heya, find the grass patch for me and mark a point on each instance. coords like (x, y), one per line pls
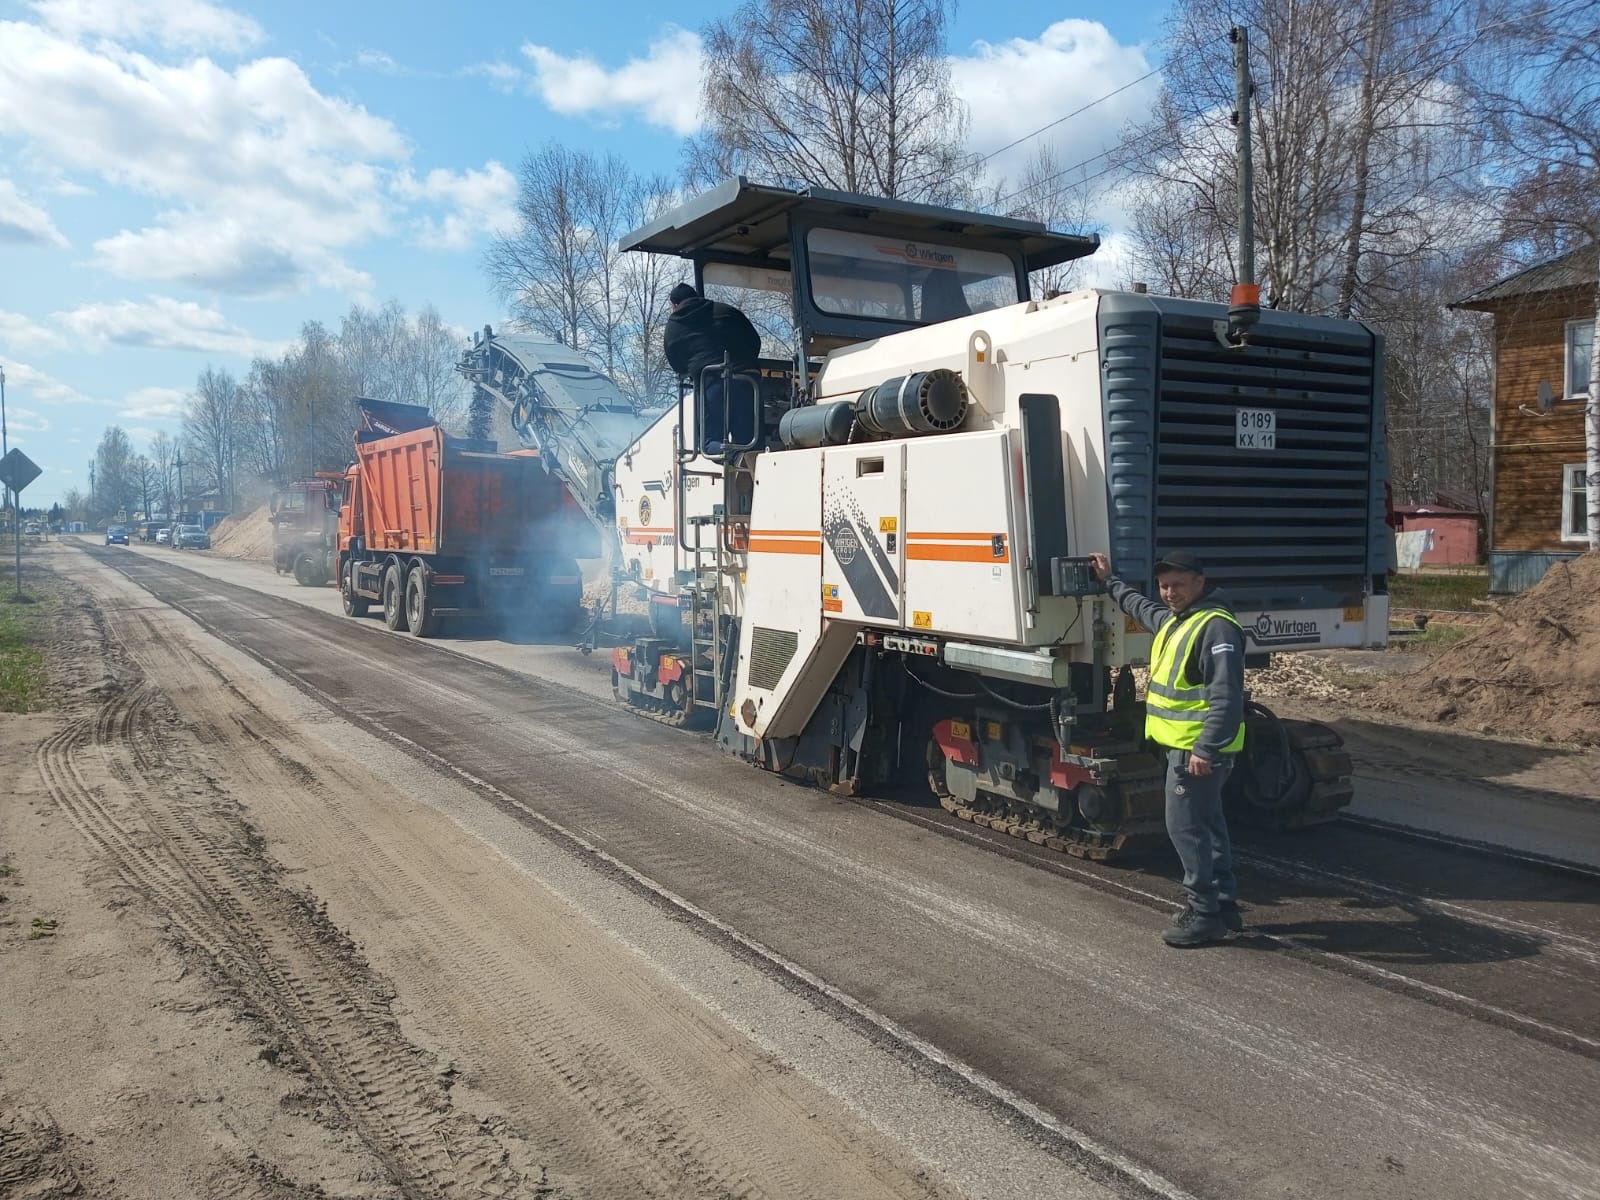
(23, 629)
(1448, 591)
(1437, 637)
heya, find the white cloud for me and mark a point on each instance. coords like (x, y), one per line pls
(480, 201)
(35, 383)
(1012, 88)
(25, 420)
(23, 335)
(153, 404)
(24, 223)
(271, 180)
(159, 323)
(663, 86)
(189, 24)
(502, 76)
(377, 60)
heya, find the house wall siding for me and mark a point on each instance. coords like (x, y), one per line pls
(1530, 450)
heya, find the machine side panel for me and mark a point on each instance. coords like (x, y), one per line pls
(785, 661)
(966, 536)
(863, 543)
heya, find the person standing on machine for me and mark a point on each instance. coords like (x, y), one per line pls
(699, 334)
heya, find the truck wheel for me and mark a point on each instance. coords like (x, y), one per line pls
(420, 616)
(308, 571)
(354, 605)
(394, 599)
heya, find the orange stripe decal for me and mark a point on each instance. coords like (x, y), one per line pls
(935, 552)
(760, 545)
(799, 533)
(950, 537)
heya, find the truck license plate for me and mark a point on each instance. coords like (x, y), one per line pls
(1255, 429)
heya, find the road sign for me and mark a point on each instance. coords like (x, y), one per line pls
(17, 470)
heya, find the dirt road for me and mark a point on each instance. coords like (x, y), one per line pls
(352, 915)
(194, 1023)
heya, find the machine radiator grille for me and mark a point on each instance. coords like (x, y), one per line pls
(770, 652)
(1288, 526)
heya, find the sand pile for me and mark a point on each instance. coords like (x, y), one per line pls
(246, 536)
(1532, 668)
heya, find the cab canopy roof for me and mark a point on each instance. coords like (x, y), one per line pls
(740, 221)
(856, 267)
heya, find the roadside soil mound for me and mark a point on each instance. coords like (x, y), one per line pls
(1533, 667)
(246, 536)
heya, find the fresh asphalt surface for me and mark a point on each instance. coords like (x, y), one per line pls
(1407, 1019)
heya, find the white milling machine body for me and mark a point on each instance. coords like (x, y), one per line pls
(897, 583)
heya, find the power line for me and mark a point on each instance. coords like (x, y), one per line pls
(1074, 113)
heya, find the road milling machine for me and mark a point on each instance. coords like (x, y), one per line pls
(891, 579)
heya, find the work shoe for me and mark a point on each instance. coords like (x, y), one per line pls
(1195, 929)
(1229, 912)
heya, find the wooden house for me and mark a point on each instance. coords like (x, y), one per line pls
(1544, 326)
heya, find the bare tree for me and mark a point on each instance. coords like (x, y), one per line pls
(163, 456)
(211, 430)
(147, 480)
(541, 270)
(1543, 101)
(114, 483)
(1058, 198)
(848, 94)
(1365, 153)
(433, 348)
(643, 281)
(562, 276)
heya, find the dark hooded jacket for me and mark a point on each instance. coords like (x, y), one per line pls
(1217, 660)
(701, 331)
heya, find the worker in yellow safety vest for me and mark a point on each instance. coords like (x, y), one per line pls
(1194, 707)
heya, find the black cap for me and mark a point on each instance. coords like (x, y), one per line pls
(684, 291)
(1181, 560)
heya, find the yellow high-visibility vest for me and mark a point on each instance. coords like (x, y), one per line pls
(1175, 707)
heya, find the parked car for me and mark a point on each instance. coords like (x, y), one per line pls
(163, 536)
(117, 535)
(193, 537)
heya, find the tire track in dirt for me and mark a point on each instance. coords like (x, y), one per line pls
(273, 951)
(634, 1090)
(34, 1158)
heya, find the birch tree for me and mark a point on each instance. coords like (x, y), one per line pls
(846, 94)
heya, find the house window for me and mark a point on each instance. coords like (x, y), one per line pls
(1580, 351)
(1574, 503)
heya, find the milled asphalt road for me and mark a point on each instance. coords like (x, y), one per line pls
(1465, 1063)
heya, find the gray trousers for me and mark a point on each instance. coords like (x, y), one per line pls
(1199, 831)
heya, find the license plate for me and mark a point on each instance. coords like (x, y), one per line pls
(1255, 429)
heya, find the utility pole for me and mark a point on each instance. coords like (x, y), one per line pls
(1244, 306)
(1240, 37)
(5, 442)
(173, 517)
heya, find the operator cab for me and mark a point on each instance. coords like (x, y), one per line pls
(815, 269)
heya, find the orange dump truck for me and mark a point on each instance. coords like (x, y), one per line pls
(435, 526)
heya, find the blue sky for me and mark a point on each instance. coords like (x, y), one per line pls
(183, 183)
